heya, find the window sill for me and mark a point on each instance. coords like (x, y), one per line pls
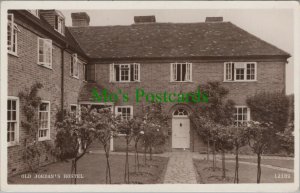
(75, 77)
(126, 82)
(181, 82)
(237, 81)
(43, 65)
(44, 139)
(13, 144)
(13, 54)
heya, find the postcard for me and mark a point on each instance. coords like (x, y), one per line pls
(149, 96)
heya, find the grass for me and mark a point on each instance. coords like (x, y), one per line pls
(92, 167)
(273, 162)
(247, 173)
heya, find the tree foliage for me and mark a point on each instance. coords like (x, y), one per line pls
(74, 136)
(154, 125)
(270, 107)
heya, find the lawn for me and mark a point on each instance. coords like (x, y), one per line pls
(247, 173)
(273, 162)
(92, 168)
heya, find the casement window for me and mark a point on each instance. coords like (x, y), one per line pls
(241, 115)
(34, 12)
(85, 78)
(74, 66)
(73, 108)
(240, 71)
(45, 52)
(126, 112)
(44, 121)
(12, 121)
(124, 72)
(181, 72)
(12, 35)
(59, 24)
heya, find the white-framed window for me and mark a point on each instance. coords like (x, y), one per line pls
(181, 72)
(125, 72)
(12, 35)
(34, 12)
(74, 108)
(12, 120)
(85, 78)
(45, 52)
(126, 112)
(74, 71)
(44, 121)
(241, 115)
(59, 24)
(240, 71)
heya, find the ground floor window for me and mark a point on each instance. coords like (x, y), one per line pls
(126, 112)
(241, 115)
(73, 108)
(44, 121)
(12, 120)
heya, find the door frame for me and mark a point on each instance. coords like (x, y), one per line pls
(183, 114)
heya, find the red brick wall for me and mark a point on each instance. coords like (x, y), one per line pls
(155, 78)
(23, 72)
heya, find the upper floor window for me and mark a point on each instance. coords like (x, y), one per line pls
(241, 115)
(124, 72)
(45, 52)
(239, 71)
(74, 66)
(12, 120)
(44, 121)
(34, 12)
(181, 72)
(12, 35)
(85, 72)
(126, 112)
(59, 24)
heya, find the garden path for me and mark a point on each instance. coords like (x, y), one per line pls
(180, 169)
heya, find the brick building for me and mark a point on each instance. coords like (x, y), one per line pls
(157, 57)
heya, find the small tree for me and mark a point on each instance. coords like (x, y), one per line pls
(258, 136)
(106, 125)
(75, 135)
(154, 123)
(222, 142)
(238, 140)
(214, 118)
(131, 129)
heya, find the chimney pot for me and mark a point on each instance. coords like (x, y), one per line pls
(214, 19)
(144, 19)
(80, 19)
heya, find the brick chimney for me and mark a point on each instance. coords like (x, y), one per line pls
(144, 19)
(214, 19)
(80, 19)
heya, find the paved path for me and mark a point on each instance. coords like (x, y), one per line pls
(180, 169)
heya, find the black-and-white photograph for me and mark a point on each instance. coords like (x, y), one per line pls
(148, 96)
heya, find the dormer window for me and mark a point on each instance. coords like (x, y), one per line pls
(59, 24)
(34, 12)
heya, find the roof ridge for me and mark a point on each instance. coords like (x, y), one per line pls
(154, 23)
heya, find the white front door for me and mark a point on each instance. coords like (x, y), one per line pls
(180, 132)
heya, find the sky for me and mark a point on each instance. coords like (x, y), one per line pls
(274, 26)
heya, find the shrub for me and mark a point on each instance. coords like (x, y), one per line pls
(270, 107)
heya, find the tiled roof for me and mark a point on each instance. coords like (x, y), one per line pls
(41, 22)
(85, 93)
(155, 40)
